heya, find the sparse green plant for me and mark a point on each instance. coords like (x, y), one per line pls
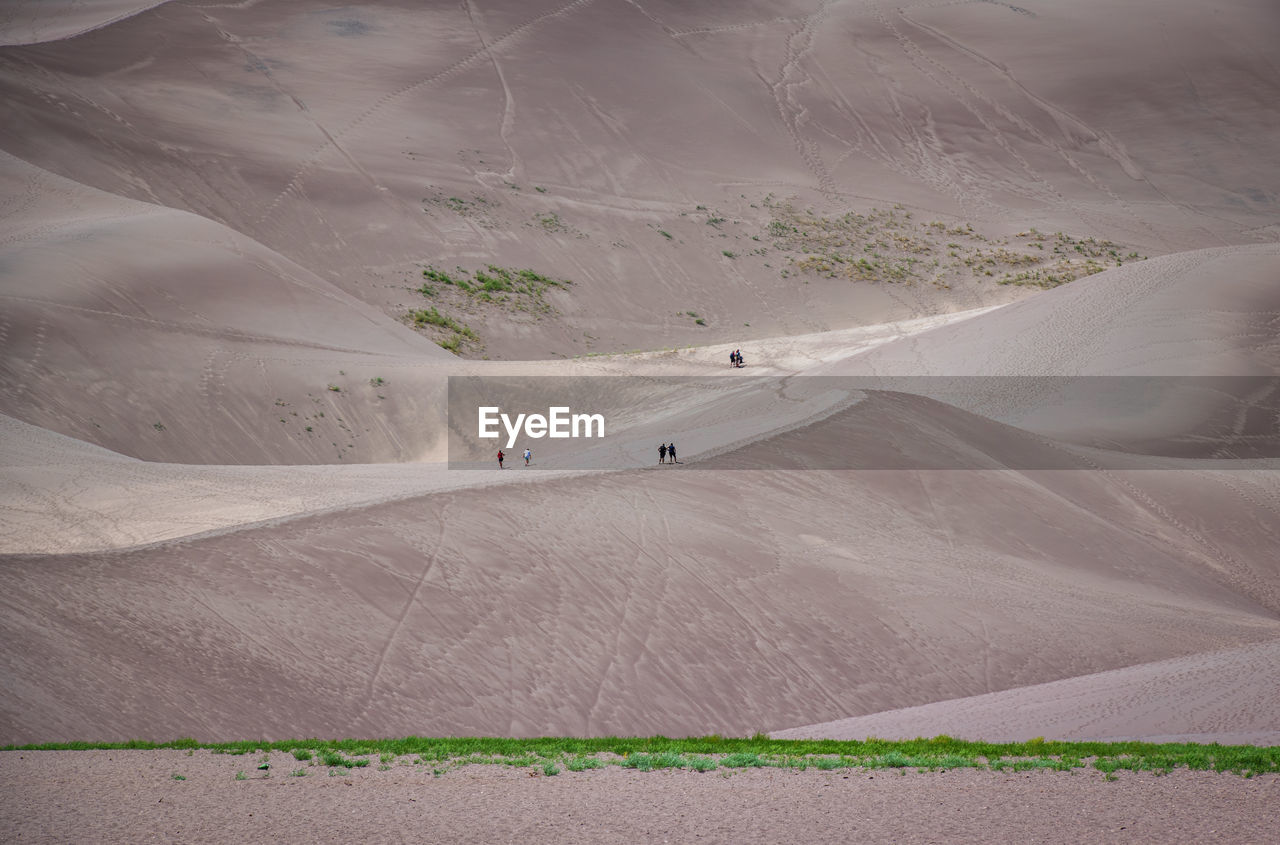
(298, 773)
(650, 762)
(241, 776)
(302, 754)
(177, 776)
(666, 234)
(158, 426)
(551, 222)
(334, 759)
(581, 763)
(728, 254)
(550, 769)
(334, 388)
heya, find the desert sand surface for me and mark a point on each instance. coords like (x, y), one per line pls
(1170, 701)
(133, 796)
(244, 246)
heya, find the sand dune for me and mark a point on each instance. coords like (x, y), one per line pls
(225, 511)
(434, 152)
(1226, 697)
(651, 601)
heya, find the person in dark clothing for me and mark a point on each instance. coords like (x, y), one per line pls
(662, 453)
(671, 452)
(500, 457)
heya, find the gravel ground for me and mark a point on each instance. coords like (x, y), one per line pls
(134, 796)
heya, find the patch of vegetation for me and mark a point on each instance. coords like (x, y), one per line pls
(333, 758)
(551, 222)
(888, 246)
(666, 234)
(302, 754)
(503, 289)
(704, 753)
(476, 208)
(511, 289)
(580, 763)
(456, 333)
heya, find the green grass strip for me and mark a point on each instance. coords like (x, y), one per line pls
(710, 752)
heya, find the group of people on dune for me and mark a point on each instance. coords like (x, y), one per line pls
(666, 452)
(528, 456)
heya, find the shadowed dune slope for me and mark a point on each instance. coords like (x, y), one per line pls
(34, 21)
(1222, 696)
(164, 336)
(664, 600)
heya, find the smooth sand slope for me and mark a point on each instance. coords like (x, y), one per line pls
(224, 513)
(1226, 697)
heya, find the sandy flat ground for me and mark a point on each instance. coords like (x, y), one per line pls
(61, 797)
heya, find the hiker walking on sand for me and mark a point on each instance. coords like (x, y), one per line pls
(662, 453)
(733, 358)
(500, 457)
(528, 453)
(671, 450)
